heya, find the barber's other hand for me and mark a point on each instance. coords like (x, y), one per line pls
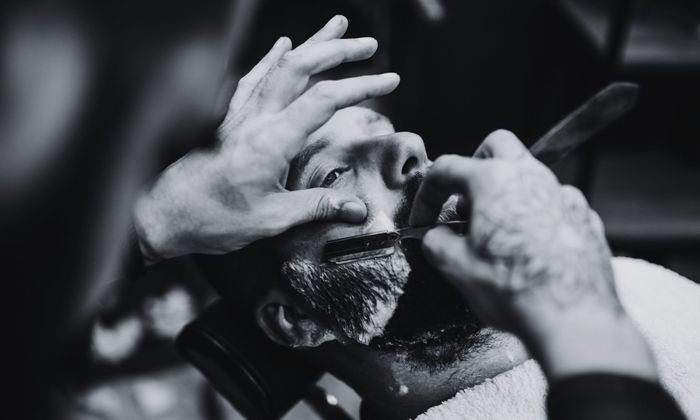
(214, 202)
(535, 263)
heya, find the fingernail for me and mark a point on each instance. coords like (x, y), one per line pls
(353, 211)
(390, 76)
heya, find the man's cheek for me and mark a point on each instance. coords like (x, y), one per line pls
(302, 242)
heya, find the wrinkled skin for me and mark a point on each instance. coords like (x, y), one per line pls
(358, 152)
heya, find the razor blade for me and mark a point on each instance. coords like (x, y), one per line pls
(380, 244)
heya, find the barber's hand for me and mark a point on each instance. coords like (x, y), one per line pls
(535, 263)
(221, 201)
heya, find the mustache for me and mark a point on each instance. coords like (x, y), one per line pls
(402, 213)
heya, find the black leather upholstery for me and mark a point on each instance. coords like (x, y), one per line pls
(259, 378)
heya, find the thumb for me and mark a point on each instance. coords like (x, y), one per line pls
(322, 204)
(454, 257)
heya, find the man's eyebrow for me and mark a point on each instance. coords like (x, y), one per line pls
(298, 164)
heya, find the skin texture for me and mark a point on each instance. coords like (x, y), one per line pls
(417, 359)
(535, 266)
(218, 201)
(535, 263)
(364, 157)
(530, 237)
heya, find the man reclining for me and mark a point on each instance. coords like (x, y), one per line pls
(392, 328)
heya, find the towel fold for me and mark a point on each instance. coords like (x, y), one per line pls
(665, 307)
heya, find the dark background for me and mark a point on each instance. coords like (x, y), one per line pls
(479, 66)
(522, 65)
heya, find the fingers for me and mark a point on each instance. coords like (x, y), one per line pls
(334, 28)
(322, 56)
(452, 255)
(317, 105)
(292, 74)
(501, 144)
(450, 174)
(317, 204)
(282, 75)
(248, 83)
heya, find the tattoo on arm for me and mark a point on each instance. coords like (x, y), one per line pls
(542, 238)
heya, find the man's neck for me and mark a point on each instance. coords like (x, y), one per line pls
(393, 387)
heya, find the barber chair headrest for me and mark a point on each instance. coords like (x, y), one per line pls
(259, 378)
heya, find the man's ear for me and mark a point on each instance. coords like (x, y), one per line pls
(286, 324)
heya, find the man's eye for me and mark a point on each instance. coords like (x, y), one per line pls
(331, 177)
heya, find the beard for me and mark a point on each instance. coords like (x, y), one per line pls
(355, 299)
(396, 304)
(432, 324)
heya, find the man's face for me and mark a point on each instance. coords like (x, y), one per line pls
(395, 303)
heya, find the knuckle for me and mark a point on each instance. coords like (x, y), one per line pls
(284, 125)
(502, 169)
(450, 166)
(574, 197)
(244, 81)
(408, 137)
(596, 222)
(323, 90)
(290, 61)
(325, 207)
(432, 249)
(501, 135)
(501, 143)
(447, 161)
(499, 138)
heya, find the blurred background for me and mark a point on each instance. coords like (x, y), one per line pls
(467, 67)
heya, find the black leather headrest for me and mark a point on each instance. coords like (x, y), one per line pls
(260, 379)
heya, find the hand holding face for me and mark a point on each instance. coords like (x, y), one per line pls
(536, 262)
(221, 201)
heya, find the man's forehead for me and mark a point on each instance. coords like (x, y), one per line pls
(352, 123)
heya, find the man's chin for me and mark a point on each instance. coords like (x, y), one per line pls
(432, 324)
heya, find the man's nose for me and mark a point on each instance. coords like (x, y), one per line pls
(404, 155)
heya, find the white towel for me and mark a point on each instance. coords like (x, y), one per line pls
(665, 307)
